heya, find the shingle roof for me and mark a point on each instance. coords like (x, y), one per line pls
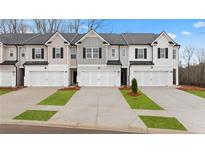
(139, 38)
(8, 62)
(112, 38)
(141, 63)
(36, 63)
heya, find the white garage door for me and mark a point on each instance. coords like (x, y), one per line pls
(38, 78)
(6, 78)
(154, 78)
(100, 78)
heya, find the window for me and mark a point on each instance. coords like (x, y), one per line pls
(123, 52)
(113, 52)
(57, 52)
(73, 53)
(11, 52)
(140, 53)
(92, 52)
(162, 53)
(22, 52)
(174, 54)
(37, 53)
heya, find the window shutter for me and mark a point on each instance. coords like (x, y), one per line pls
(100, 53)
(145, 53)
(166, 50)
(159, 53)
(84, 50)
(42, 53)
(33, 53)
(136, 53)
(54, 55)
(61, 52)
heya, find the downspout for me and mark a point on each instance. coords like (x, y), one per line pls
(17, 57)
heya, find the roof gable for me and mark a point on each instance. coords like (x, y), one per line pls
(166, 35)
(54, 35)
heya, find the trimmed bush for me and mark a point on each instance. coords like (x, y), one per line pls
(134, 86)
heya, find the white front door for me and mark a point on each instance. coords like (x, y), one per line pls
(100, 78)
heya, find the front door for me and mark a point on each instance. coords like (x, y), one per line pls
(174, 76)
(124, 76)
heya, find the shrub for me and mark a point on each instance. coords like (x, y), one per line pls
(134, 86)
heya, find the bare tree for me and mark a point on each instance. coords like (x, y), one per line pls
(95, 24)
(201, 60)
(13, 26)
(74, 26)
(47, 25)
(187, 56)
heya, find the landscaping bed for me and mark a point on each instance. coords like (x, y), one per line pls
(198, 91)
(39, 115)
(61, 97)
(71, 88)
(4, 90)
(140, 101)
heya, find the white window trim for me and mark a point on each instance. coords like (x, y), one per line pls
(56, 53)
(92, 57)
(113, 49)
(38, 53)
(11, 50)
(174, 54)
(73, 52)
(138, 54)
(162, 53)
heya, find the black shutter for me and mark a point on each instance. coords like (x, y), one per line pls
(42, 53)
(33, 53)
(159, 53)
(61, 52)
(136, 53)
(145, 53)
(84, 50)
(100, 53)
(166, 53)
(54, 55)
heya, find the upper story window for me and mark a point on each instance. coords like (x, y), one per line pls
(57, 53)
(73, 54)
(140, 53)
(162, 53)
(113, 52)
(23, 53)
(11, 52)
(92, 52)
(174, 54)
(123, 52)
(38, 53)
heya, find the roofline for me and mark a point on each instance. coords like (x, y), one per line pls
(30, 38)
(60, 35)
(88, 33)
(163, 32)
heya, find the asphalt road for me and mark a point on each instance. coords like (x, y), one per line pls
(27, 129)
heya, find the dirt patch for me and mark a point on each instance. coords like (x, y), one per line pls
(185, 88)
(70, 88)
(12, 88)
(124, 88)
(133, 94)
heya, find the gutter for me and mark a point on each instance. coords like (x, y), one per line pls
(17, 57)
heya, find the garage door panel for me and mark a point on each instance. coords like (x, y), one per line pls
(6, 78)
(38, 78)
(151, 78)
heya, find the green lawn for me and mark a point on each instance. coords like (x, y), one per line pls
(162, 122)
(140, 102)
(39, 115)
(58, 98)
(4, 91)
(198, 93)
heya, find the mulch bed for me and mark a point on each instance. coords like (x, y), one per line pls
(185, 88)
(133, 94)
(12, 88)
(124, 88)
(70, 88)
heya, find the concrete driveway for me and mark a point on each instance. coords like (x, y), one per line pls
(187, 108)
(98, 107)
(16, 102)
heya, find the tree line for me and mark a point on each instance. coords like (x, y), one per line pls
(49, 25)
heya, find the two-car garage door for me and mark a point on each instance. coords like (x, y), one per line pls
(100, 78)
(152, 78)
(46, 78)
